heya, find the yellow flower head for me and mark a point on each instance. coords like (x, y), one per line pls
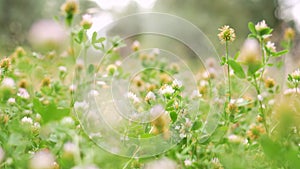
(226, 34)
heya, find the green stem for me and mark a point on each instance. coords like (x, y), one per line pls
(228, 72)
(261, 109)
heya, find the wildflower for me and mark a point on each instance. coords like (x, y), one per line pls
(69, 149)
(81, 105)
(47, 35)
(93, 93)
(150, 96)
(8, 82)
(133, 97)
(70, 7)
(176, 84)
(46, 82)
(11, 101)
(165, 78)
(72, 88)
(26, 120)
(156, 51)
(296, 75)
(289, 34)
(269, 83)
(232, 108)
(250, 52)
(86, 21)
(5, 63)
(79, 64)
(235, 139)
(260, 97)
(261, 26)
(188, 162)
(161, 163)
(174, 67)
(271, 46)
(20, 51)
(67, 121)
(259, 119)
(62, 69)
(111, 69)
(23, 83)
(23, 93)
(196, 94)
(255, 131)
(226, 34)
(42, 160)
(291, 91)
(135, 45)
(166, 90)
(2, 154)
(160, 121)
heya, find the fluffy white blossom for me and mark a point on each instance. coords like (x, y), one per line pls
(177, 83)
(150, 96)
(261, 25)
(42, 160)
(62, 69)
(188, 162)
(166, 89)
(133, 97)
(8, 82)
(23, 93)
(271, 46)
(26, 120)
(11, 101)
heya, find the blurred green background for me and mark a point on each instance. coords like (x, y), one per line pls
(16, 16)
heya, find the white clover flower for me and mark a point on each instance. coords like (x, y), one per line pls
(150, 96)
(177, 83)
(296, 75)
(261, 25)
(2, 154)
(36, 125)
(250, 52)
(42, 160)
(260, 97)
(156, 51)
(166, 89)
(203, 83)
(156, 111)
(182, 135)
(81, 105)
(271, 46)
(72, 88)
(133, 97)
(26, 120)
(62, 69)
(118, 63)
(188, 162)
(94, 93)
(11, 101)
(235, 139)
(69, 148)
(23, 93)
(67, 121)
(8, 82)
(87, 21)
(135, 45)
(163, 163)
(291, 91)
(27, 112)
